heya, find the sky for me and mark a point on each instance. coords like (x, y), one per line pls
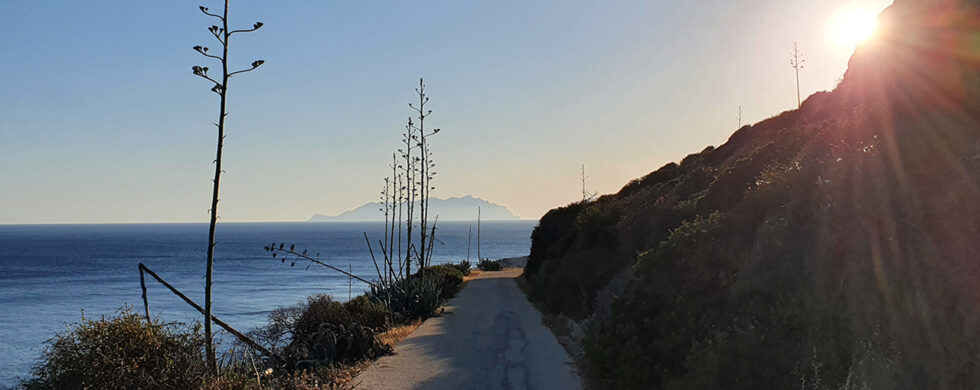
(101, 120)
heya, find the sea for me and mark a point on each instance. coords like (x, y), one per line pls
(53, 275)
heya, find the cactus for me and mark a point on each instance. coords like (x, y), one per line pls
(334, 343)
(412, 298)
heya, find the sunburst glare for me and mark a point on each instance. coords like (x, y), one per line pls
(853, 25)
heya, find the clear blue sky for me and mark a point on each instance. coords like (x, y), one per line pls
(102, 121)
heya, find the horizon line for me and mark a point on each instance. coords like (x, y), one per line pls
(234, 222)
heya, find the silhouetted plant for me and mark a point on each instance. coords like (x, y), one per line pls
(401, 199)
(478, 217)
(405, 191)
(463, 266)
(283, 253)
(394, 205)
(425, 175)
(388, 206)
(411, 189)
(489, 265)
(405, 198)
(586, 195)
(796, 61)
(223, 35)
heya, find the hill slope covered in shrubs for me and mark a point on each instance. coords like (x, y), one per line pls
(834, 246)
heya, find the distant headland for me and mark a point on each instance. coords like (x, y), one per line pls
(451, 209)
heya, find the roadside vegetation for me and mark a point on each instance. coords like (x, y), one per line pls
(323, 342)
(489, 265)
(121, 351)
(318, 343)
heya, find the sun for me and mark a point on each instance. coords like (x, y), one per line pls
(852, 26)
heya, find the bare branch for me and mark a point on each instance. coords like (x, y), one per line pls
(255, 64)
(292, 251)
(204, 51)
(256, 26)
(205, 11)
(216, 31)
(203, 73)
(245, 339)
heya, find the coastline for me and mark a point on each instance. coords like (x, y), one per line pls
(95, 273)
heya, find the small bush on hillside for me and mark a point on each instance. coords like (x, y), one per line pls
(278, 330)
(320, 309)
(370, 314)
(452, 279)
(489, 265)
(325, 332)
(463, 266)
(122, 351)
(333, 343)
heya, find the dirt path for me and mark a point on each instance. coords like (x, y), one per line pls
(489, 338)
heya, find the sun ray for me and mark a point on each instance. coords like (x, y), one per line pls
(853, 26)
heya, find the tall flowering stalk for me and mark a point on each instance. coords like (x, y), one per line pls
(223, 35)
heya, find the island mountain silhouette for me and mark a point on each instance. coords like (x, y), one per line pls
(451, 209)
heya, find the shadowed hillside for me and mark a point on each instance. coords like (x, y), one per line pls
(834, 246)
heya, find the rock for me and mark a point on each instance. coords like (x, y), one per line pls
(575, 330)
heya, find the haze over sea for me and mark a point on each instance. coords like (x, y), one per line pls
(50, 274)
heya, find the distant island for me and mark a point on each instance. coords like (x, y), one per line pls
(452, 209)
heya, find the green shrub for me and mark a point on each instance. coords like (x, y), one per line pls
(333, 343)
(320, 309)
(370, 314)
(123, 351)
(325, 332)
(413, 298)
(489, 265)
(452, 279)
(463, 266)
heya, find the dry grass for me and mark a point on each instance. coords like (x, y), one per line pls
(475, 273)
(471, 276)
(396, 334)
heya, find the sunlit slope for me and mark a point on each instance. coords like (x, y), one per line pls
(834, 246)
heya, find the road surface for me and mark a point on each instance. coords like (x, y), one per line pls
(490, 337)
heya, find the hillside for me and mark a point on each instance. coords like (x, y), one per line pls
(451, 209)
(836, 246)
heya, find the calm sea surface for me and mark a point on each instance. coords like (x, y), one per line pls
(50, 274)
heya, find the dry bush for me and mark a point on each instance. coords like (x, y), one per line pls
(122, 351)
